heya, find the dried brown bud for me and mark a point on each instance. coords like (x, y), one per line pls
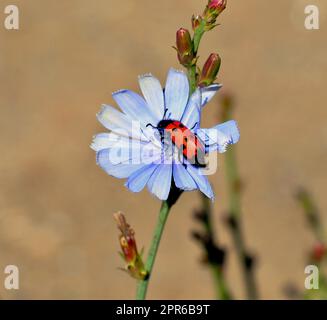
(134, 263)
(196, 22)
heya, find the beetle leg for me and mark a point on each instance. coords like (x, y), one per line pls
(164, 115)
(195, 124)
(150, 124)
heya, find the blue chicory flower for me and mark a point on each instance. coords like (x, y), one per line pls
(134, 150)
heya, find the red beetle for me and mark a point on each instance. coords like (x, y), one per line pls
(188, 143)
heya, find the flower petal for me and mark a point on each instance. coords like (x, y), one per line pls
(201, 181)
(220, 137)
(153, 94)
(124, 153)
(118, 170)
(138, 180)
(192, 114)
(209, 92)
(160, 181)
(134, 106)
(114, 120)
(101, 141)
(176, 94)
(182, 178)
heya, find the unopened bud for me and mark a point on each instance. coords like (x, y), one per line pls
(218, 5)
(184, 48)
(210, 70)
(196, 22)
(134, 264)
(318, 252)
(213, 9)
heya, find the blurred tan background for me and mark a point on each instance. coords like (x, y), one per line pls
(56, 205)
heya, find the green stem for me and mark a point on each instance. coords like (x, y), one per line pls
(191, 71)
(217, 272)
(163, 215)
(221, 288)
(233, 183)
(236, 223)
(306, 201)
(199, 32)
(222, 291)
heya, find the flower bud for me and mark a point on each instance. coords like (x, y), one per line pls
(218, 5)
(210, 70)
(196, 22)
(213, 9)
(318, 252)
(134, 263)
(184, 47)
